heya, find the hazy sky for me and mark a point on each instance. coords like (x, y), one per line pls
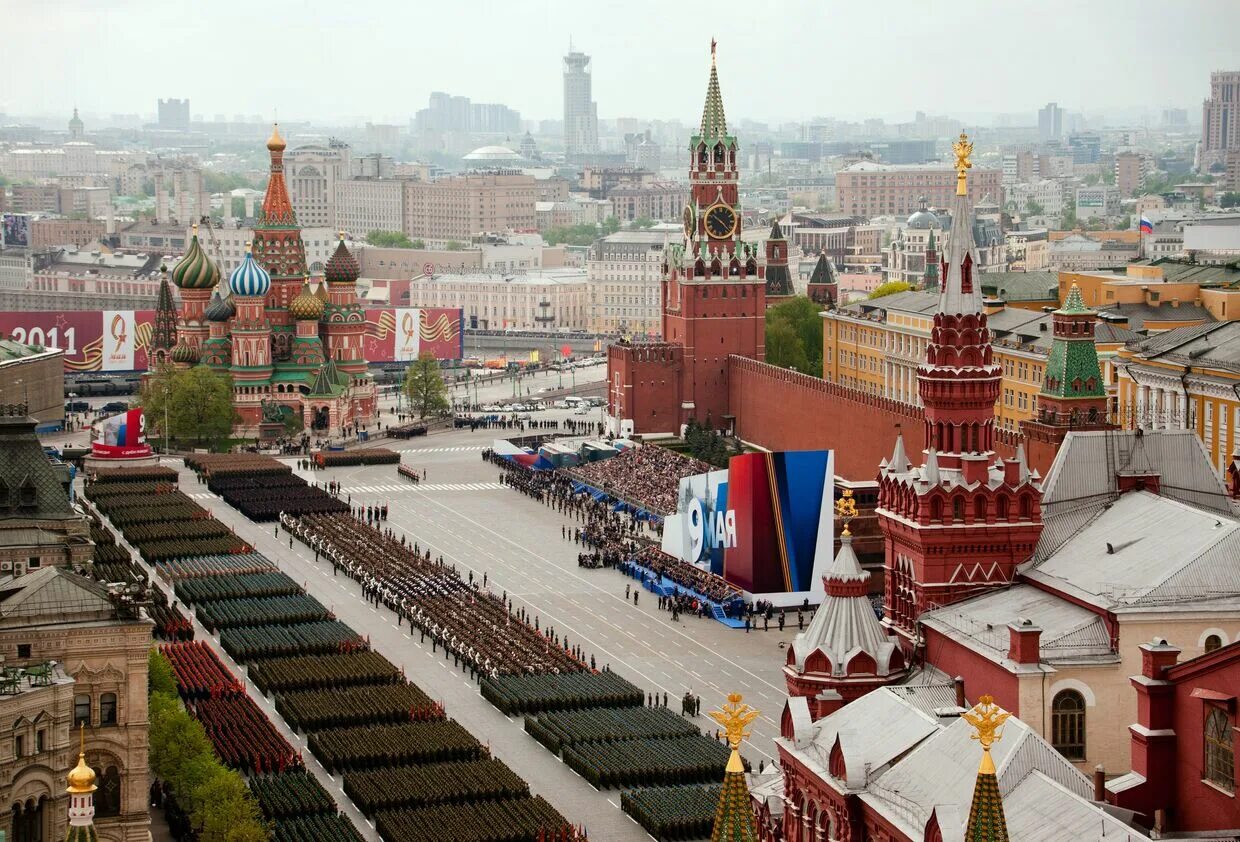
(379, 59)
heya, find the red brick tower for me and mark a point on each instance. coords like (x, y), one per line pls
(714, 292)
(279, 249)
(343, 325)
(960, 523)
(778, 278)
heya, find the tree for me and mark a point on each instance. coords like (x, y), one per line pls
(198, 403)
(1033, 208)
(890, 288)
(794, 330)
(238, 207)
(159, 674)
(424, 386)
(418, 244)
(611, 225)
(642, 222)
(454, 245)
(1125, 222)
(1229, 200)
(389, 239)
(226, 811)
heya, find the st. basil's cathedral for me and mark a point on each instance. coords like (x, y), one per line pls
(289, 349)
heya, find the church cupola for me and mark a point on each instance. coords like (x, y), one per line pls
(81, 793)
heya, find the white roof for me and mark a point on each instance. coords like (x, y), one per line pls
(1068, 630)
(491, 153)
(1144, 550)
(1028, 818)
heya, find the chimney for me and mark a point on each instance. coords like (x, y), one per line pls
(1156, 656)
(1100, 783)
(1024, 639)
(958, 681)
(1011, 472)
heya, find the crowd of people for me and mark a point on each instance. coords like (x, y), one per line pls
(649, 476)
(482, 632)
(710, 585)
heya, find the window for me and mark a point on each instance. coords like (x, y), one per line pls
(23, 650)
(1068, 724)
(81, 710)
(1220, 758)
(19, 745)
(107, 709)
(40, 741)
(1213, 642)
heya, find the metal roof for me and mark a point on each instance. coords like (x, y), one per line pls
(1068, 630)
(1145, 550)
(1028, 818)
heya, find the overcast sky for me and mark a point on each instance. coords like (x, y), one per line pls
(794, 59)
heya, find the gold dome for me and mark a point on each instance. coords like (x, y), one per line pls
(82, 777)
(275, 143)
(306, 307)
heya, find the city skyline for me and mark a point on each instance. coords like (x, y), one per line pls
(967, 65)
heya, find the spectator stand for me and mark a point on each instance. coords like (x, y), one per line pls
(619, 502)
(662, 585)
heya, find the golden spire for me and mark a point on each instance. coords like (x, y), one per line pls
(735, 719)
(986, 718)
(82, 777)
(963, 149)
(846, 509)
(340, 235)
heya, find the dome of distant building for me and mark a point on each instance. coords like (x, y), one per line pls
(923, 218)
(492, 153)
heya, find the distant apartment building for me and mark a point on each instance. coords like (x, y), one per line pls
(1019, 167)
(542, 300)
(226, 246)
(312, 173)
(48, 233)
(169, 240)
(1041, 197)
(599, 181)
(625, 271)
(1220, 116)
(1129, 173)
(1098, 201)
(1028, 251)
(868, 189)
(84, 202)
(580, 109)
(369, 204)
(1083, 251)
(575, 211)
(174, 114)
(1050, 121)
(1232, 172)
(448, 113)
(657, 200)
(89, 280)
(459, 207)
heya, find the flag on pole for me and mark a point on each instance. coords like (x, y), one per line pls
(1147, 227)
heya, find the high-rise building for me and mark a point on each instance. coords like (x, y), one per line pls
(1050, 121)
(1129, 173)
(174, 114)
(1220, 130)
(313, 172)
(580, 111)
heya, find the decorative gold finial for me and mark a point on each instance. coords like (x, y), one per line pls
(963, 149)
(846, 509)
(986, 718)
(194, 228)
(82, 777)
(341, 235)
(713, 44)
(735, 718)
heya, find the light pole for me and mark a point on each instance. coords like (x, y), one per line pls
(166, 436)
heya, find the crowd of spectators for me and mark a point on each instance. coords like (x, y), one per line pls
(649, 476)
(710, 585)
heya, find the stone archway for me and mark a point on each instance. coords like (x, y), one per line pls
(32, 820)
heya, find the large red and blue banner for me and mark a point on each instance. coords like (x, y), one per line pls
(121, 436)
(765, 524)
(119, 340)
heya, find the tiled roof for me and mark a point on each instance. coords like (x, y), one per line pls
(52, 595)
(29, 485)
(1210, 345)
(1021, 286)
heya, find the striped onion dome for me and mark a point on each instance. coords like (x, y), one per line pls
(184, 353)
(195, 270)
(342, 266)
(306, 307)
(249, 278)
(220, 309)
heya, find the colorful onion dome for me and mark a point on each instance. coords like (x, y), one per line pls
(275, 143)
(184, 353)
(249, 278)
(195, 270)
(341, 267)
(305, 307)
(220, 309)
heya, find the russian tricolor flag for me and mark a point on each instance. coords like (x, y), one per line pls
(1147, 227)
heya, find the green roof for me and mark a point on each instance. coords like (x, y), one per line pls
(714, 123)
(1021, 286)
(734, 821)
(1072, 370)
(1074, 305)
(10, 350)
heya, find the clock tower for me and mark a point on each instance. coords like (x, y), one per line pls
(713, 216)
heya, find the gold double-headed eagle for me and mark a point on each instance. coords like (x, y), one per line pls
(986, 718)
(963, 149)
(846, 509)
(735, 718)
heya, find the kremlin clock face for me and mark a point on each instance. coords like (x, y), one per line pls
(720, 222)
(690, 221)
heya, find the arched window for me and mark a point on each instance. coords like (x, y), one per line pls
(108, 800)
(107, 709)
(81, 710)
(1213, 642)
(1068, 724)
(957, 509)
(1220, 761)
